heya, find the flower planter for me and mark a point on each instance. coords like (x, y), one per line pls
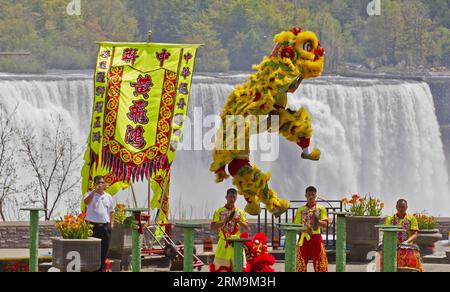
(121, 245)
(427, 240)
(362, 237)
(66, 252)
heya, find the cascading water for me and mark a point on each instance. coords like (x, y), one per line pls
(40, 99)
(377, 136)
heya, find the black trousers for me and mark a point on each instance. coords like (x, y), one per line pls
(103, 232)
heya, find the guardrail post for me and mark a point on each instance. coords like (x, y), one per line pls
(389, 248)
(238, 260)
(341, 241)
(136, 240)
(290, 250)
(188, 256)
(34, 238)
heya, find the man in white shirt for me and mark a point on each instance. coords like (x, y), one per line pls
(100, 213)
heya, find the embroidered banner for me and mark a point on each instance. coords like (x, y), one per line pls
(141, 95)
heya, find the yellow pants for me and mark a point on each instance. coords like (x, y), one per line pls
(224, 258)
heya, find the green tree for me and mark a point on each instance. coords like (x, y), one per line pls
(439, 11)
(441, 47)
(236, 33)
(417, 33)
(18, 35)
(212, 56)
(332, 38)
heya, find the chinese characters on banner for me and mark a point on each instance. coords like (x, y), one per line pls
(141, 97)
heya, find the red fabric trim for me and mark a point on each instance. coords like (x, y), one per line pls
(236, 165)
(312, 207)
(401, 217)
(234, 208)
(212, 269)
(304, 142)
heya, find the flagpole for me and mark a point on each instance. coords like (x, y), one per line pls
(149, 196)
(150, 36)
(134, 195)
(166, 181)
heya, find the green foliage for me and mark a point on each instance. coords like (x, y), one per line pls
(21, 65)
(56, 39)
(236, 33)
(213, 57)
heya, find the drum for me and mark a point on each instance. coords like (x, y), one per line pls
(408, 258)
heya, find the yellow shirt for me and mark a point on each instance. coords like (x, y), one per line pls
(409, 223)
(232, 228)
(305, 216)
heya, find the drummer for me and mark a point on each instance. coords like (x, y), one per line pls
(409, 236)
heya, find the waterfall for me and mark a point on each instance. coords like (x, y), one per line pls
(37, 101)
(377, 137)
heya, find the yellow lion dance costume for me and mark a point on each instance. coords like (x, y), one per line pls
(297, 56)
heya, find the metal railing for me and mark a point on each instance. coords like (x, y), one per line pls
(267, 222)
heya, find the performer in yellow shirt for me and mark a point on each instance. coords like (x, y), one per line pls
(313, 216)
(228, 220)
(408, 253)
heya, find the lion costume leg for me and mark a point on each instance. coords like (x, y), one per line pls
(296, 127)
(253, 184)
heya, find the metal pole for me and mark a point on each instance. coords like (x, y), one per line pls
(136, 241)
(188, 262)
(238, 259)
(290, 250)
(389, 250)
(150, 36)
(341, 238)
(188, 256)
(341, 241)
(34, 239)
(136, 251)
(134, 196)
(150, 196)
(389, 257)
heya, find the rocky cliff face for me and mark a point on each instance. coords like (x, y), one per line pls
(440, 88)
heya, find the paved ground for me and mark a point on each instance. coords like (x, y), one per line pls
(22, 253)
(279, 265)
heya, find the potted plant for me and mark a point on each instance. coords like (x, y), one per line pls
(428, 233)
(362, 236)
(121, 244)
(76, 250)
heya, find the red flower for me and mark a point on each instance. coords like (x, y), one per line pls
(288, 52)
(296, 30)
(319, 52)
